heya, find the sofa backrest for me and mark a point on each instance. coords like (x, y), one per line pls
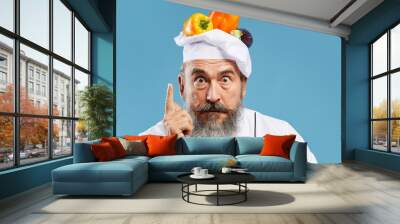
(206, 145)
(249, 145)
(83, 152)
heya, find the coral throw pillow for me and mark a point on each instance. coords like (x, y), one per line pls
(103, 152)
(116, 145)
(275, 145)
(161, 145)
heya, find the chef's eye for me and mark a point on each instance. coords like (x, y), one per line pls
(200, 82)
(225, 80)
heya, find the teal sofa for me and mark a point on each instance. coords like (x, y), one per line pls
(125, 176)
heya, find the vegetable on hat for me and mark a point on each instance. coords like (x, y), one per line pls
(224, 21)
(197, 23)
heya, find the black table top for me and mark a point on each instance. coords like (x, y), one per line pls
(220, 178)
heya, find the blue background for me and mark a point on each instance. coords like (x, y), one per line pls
(296, 73)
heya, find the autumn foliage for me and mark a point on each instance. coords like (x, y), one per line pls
(380, 127)
(33, 131)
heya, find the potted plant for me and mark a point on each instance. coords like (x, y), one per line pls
(97, 103)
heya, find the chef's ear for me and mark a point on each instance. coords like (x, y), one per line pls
(181, 82)
(243, 79)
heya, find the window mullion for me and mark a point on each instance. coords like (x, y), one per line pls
(50, 87)
(73, 82)
(389, 104)
(16, 84)
(371, 137)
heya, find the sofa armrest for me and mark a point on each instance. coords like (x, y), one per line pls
(298, 155)
(83, 152)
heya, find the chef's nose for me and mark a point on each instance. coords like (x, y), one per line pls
(213, 95)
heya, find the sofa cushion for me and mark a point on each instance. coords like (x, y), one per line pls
(206, 145)
(112, 171)
(185, 163)
(249, 145)
(257, 163)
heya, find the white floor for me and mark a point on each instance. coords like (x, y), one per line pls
(377, 189)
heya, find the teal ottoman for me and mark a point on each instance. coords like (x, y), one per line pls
(118, 177)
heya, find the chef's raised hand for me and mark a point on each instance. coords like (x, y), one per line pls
(176, 120)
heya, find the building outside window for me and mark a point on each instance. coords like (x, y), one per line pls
(58, 125)
(385, 91)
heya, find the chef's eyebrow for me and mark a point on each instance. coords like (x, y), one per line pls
(198, 71)
(226, 71)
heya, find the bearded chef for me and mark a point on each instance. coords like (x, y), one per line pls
(212, 82)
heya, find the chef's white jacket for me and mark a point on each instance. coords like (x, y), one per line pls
(251, 123)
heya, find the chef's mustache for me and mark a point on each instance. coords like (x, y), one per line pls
(213, 107)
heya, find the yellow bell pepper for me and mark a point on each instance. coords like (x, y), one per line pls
(197, 23)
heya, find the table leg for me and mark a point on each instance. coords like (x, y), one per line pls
(245, 193)
(196, 188)
(188, 190)
(217, 194)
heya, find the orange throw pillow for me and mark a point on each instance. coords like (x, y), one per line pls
(161, 145)
(275, 145)
(136, 137)
(116, 145)
(103, 151)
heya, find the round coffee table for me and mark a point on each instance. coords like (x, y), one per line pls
(238, 179)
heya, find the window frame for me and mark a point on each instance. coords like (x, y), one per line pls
(388, 74)
(16, 115)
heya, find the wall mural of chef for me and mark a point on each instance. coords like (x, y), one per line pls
(212, 83)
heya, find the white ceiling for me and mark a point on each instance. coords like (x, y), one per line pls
(327, 16)
(320, 9)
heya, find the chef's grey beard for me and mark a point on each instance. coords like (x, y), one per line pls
(210, 127)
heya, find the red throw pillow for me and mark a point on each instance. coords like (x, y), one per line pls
(277, 145)
(103, 151)
(161, 145)
(116, 145)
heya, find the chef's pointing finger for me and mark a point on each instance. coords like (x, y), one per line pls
(169, 101)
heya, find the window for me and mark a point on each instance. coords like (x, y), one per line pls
(45, 119)
(38, 89)
(3, 72)
(81, 45)
(7, 14)
(44, 91)
(3, 61)
(38, 74)
(6, 73)
(30, 87)
(34, 21)
(385, 91)
(30, 72)
(62, 29)
(3, 78)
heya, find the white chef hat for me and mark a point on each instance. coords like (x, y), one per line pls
(215, 44)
